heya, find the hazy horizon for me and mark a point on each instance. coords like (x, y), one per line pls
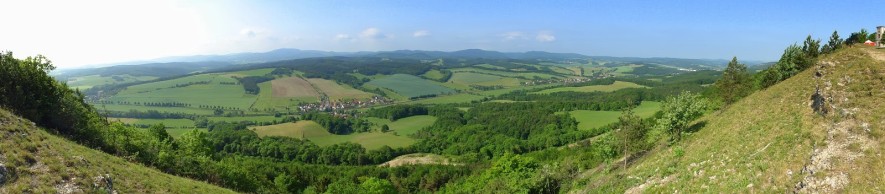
(76, 34)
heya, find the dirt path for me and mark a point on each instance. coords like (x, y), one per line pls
(878, 54)
(827, 171)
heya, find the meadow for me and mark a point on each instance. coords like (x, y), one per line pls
(588, 119)
(203, 89)
(86, 82)
(470, 78)
(432, 74)
(404, 126)
(410, 86)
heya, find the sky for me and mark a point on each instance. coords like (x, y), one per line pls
(87, 32)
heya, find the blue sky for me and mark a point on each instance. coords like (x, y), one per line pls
(90, 32)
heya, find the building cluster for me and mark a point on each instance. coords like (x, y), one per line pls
(326, 105)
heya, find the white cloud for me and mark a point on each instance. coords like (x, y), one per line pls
(421, 33)
(545, 36)
(372, 34)
(341, 37)
(248, 32)
(508, 36)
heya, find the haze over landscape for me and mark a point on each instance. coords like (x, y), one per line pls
(85, 33)
(389, 96)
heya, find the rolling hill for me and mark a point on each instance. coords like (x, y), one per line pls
(34, 161)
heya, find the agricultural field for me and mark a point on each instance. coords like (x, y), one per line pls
(300, 129)
(315, 133)
(86, 82)
(404, 126)
(596, 88)
(588, 119)
(337, 91)
(626, 69)
(292, 87)
(127, 108)
(253, 72)
(203, 89)
(469, 78)
(369, 140)
(410, 86)
(266, 100)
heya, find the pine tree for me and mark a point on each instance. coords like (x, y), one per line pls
(735, 82)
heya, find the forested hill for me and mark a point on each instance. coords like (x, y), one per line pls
(34, 161)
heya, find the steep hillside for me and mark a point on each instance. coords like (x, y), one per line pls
(773, 141)
(33, 161)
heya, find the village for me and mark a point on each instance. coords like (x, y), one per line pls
(327, 105)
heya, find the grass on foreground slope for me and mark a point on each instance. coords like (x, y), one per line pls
(763, 142)
(37, 162)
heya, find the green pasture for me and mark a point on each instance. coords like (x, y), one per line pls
(409, 85)
(588, 119)
(595, 88)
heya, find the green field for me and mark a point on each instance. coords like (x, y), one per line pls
(470, 78)
(315, 133)
(597, 88)
(300, 129)
(86, 82)
(410, 86)
(254, 72)
(405, 126)
(588, 119)
(212, 94)
(126, 108)
(369, 140)
(432, 74)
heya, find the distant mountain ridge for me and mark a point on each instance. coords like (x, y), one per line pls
(290, 53)
(180, 65)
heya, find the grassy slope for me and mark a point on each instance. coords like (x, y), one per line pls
(43, 163)
(762, 143)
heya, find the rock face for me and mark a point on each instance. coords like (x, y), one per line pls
(817, 102)
(3, 174)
